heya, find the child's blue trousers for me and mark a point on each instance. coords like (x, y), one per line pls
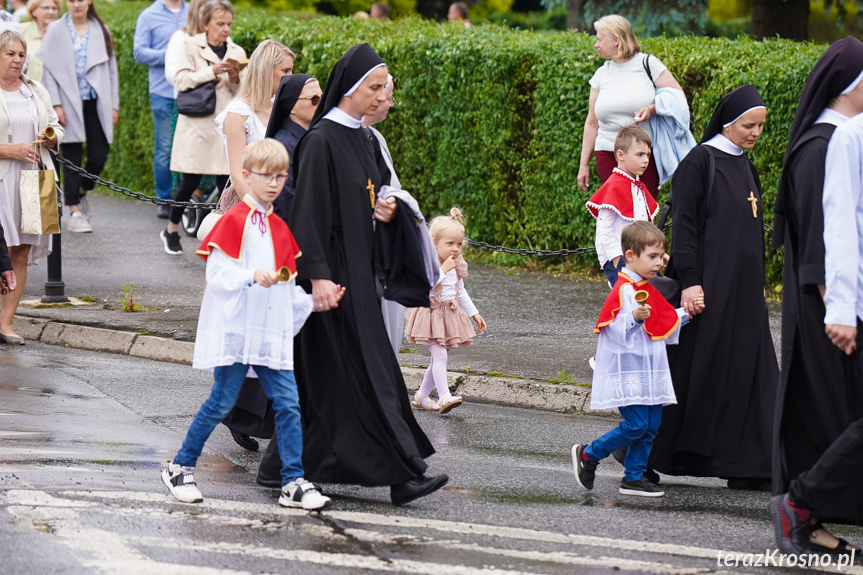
(280, 386)
(637, 431)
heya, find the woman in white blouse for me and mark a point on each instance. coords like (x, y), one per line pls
(621, 93)
(245, 119)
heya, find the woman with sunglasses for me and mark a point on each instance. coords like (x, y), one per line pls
(296, 101)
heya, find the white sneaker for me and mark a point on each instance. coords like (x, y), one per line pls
(84, 206)
(302, 493)
(78, 223)
(180, 481)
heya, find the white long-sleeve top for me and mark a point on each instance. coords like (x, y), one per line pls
(632, 368)
(448, 292)
(843, 224)
(610, 224)
(243, 322)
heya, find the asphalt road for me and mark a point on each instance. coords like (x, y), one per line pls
(82, 437)
(538, 325)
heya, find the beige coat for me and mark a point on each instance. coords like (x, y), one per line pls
(198, 148)
(46, 117)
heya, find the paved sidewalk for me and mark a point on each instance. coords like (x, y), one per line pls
(539, 325)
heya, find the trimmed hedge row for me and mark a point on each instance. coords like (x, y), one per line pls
(491, 118)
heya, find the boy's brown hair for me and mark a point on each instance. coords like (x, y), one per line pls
(266, 155)
(640, 235)
(630, 135)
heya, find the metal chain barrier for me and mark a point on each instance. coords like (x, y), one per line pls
(129, 193)
(481, 245)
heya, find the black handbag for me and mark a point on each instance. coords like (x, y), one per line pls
(198, 102)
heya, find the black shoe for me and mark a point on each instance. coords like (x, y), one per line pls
(750, 484)
(652, 476)
(791, 526)
(641, 487)
(171, 242)
(407, 491)
(163, 211)
(585, 470)
(270, 469)
(619, 454)
(245, 441)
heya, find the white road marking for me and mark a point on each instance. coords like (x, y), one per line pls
(31, 451)
(26, 504)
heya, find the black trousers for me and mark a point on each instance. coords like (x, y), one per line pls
(838, 468)
(186, 188)
(97, 155)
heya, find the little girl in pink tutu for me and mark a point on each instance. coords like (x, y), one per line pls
(444, 325)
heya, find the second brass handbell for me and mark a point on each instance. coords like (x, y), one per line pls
(284, 275)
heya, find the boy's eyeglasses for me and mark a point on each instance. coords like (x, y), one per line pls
(315, 100)
(279, 178)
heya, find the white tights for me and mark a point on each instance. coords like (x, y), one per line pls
(435, 375)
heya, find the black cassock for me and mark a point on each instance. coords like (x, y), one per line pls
(358, 426)
(724, 370)
(816, 397)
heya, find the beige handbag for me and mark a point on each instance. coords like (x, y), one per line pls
(40, 207)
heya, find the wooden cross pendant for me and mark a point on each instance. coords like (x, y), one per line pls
(371, 189)
(754, 201)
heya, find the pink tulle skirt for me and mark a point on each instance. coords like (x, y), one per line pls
(444, 324)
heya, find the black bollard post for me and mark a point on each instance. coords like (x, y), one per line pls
(55, 289)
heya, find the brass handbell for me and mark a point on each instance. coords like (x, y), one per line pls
(641, 297)
(284, 275)
(49, 133)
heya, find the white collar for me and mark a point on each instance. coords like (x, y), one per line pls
(624, 174)
(632, 275)
(339, 116)
(258, 206)
(831, 116)
(723, 144)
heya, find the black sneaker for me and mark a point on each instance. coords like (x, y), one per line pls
(791, 526)
(641, 487)
(585, 470)
(172, 243)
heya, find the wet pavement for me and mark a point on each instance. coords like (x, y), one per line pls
(538, 324)
(83, 435)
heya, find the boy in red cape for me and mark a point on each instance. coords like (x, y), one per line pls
(251, 311)
(632, 374)
(622, 199)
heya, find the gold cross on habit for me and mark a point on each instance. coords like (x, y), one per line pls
(371, 189)
(754, 201)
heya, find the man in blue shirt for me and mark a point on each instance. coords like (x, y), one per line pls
(154, 29)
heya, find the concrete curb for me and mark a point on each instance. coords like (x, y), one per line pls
(477, 387)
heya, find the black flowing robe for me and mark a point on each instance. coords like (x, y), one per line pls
(724, 370)
(358, 426)
(817, 398)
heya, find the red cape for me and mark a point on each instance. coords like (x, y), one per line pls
(229, 235)
(616, 194)
(663, 320)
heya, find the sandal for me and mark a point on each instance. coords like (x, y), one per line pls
(842, 548)
(11, 339)
(424, 403)
(449, 402)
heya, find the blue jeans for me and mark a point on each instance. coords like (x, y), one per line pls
(163, 109)
(611, 271)
(637, 430)
(280, 386)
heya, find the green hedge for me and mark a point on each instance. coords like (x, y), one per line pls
(491, 118)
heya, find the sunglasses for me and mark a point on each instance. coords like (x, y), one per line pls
(315, 100)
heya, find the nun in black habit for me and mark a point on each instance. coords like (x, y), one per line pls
(817, 398)
(358, 426)
(724, 371)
